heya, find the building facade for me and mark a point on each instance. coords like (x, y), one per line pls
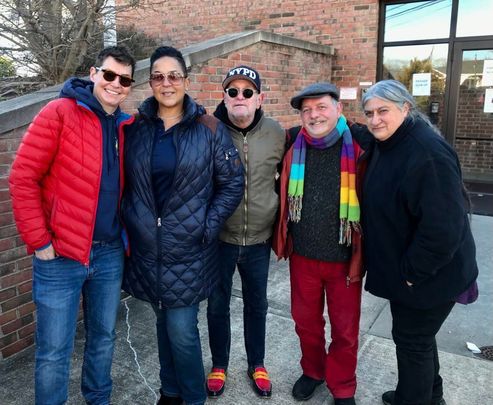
(441, 49)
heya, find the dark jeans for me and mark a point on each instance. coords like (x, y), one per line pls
(413, 331)
(180, 354)
(253, 266)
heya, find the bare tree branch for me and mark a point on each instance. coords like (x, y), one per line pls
(55, 37)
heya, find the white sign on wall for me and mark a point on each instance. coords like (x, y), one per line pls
(421, 84)
(488, 101)
(348, 93)
(487, 73)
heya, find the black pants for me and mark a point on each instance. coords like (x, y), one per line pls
(413, 331)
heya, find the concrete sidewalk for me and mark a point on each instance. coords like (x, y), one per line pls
(467, 378)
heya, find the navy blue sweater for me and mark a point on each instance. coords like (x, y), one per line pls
(163, 163)
(107, 226)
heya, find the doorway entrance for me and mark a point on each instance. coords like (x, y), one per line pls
(470, 118)
(470, 106)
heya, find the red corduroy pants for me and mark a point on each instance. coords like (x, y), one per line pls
(313, 282)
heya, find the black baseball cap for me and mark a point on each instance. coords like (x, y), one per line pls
(244, 73)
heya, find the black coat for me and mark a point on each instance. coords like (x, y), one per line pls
(415, 219)
(172, 260)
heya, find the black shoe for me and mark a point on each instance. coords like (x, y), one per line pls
(344, 401)
(304, 388)
(388, 399)
(165, 400)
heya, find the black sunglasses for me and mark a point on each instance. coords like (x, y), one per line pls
(109, 76)
(247, 93)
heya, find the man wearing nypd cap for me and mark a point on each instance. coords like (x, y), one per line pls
(245, 241)
(318, 230)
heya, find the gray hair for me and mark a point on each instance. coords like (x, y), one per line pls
(396, 93)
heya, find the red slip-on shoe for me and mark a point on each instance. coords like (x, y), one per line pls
(216, 380)
(260, 381)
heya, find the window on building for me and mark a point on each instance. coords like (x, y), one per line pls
(415, 50)
(427, 63)
(432, 18)
(442, 50)
(474, 18)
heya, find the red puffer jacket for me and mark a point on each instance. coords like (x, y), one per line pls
(55, 178)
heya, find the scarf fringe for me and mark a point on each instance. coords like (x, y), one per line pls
(294, 206)
(346, 229)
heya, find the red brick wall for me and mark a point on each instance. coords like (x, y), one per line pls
(350, 26)
(16, 307)
(283, 72)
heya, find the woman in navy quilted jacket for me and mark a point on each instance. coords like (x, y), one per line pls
(183, 178)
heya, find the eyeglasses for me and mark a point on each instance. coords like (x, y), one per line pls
(109, 76)
(233, 92)
(174, 78)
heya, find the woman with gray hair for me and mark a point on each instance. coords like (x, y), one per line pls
(419, 252)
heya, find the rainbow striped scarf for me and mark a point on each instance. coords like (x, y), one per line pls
(349, 212)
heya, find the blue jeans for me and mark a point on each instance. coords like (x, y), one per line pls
(180, 353)
(253, 266)
(57, 286)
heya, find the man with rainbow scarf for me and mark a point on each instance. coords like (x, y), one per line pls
(318, 230)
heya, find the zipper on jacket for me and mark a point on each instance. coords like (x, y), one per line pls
(158, 261)
(245, 198)
(159, 220)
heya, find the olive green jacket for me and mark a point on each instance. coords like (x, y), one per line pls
(261, 150)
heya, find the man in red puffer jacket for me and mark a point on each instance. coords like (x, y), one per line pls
(65, 184)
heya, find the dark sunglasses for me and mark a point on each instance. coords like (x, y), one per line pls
(247, 93)
(174, 78)
(109, 76)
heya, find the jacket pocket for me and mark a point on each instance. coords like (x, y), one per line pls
(232, 158)
(53, 216)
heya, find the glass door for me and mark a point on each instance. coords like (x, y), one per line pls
(470, 109)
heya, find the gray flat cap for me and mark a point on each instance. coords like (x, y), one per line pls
(315, 90)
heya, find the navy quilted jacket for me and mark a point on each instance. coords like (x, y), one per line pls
(173, 253)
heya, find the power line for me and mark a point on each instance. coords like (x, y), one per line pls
(414, 8)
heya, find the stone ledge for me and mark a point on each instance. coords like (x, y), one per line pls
(213, 48)
(20, 111)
